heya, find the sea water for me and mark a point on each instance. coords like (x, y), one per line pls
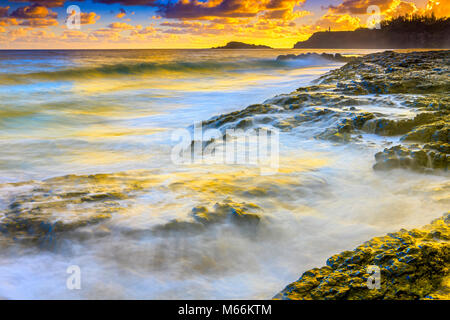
(92, 122)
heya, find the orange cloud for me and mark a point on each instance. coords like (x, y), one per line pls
(33, 16)
(202, 23)
(346, 16)
(28, 35)
(400, 8)
(121, 14)
(441, 8)
(89, 18)
(18, 33)
(123, 26)
(388, 8)
(146, 30)
(106, 34)
(128, 2)
(34, 12)
(75, 35)
(45, 3)
(360, 6)
(182, 24)
(194, 9)
(38, 23)
(8, 22)
(42, 35)
(285, 14)
(144, 34)
(338, 22)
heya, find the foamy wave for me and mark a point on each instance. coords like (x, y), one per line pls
(151, 68)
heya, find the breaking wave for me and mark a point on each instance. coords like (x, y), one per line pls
(152, 68)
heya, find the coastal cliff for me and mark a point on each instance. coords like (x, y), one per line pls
(400, 33)
(375, 39)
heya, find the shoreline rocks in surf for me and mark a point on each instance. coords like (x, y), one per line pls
(327, 56)
(42, 212)
(413, 264)
(339, 101)
(343, 102)
(246, 216)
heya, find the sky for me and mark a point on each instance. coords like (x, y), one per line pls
(123, 24)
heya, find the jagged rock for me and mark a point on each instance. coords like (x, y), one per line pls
(239, 213)
(333, 100)
(252, 110)
(390, 127)
(366, 75)
(413, 264)
(43, 212)
(416, 157)
(336, 57)
(437, 131)
(244, 215)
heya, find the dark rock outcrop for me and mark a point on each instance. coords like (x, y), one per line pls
(337, 57)
(242, 45)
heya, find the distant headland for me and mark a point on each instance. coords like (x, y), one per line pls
(402, 32)
(242, 45)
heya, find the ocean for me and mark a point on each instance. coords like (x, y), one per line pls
(86, 140)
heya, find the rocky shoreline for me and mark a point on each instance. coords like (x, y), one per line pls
(342, 100)
(338, 104)
(340, 107)
(413, 264)
(337, 57)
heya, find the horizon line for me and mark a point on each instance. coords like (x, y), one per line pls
(253, 49)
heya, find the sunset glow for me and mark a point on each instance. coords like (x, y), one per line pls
(41, 24)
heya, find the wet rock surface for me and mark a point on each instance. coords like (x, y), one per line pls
(392, 72)
(328, 56)
(41, 212)
(413, 264)
(402, 97)
(243, 215)
(420, 158)
(389, 94)
(45, 213)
